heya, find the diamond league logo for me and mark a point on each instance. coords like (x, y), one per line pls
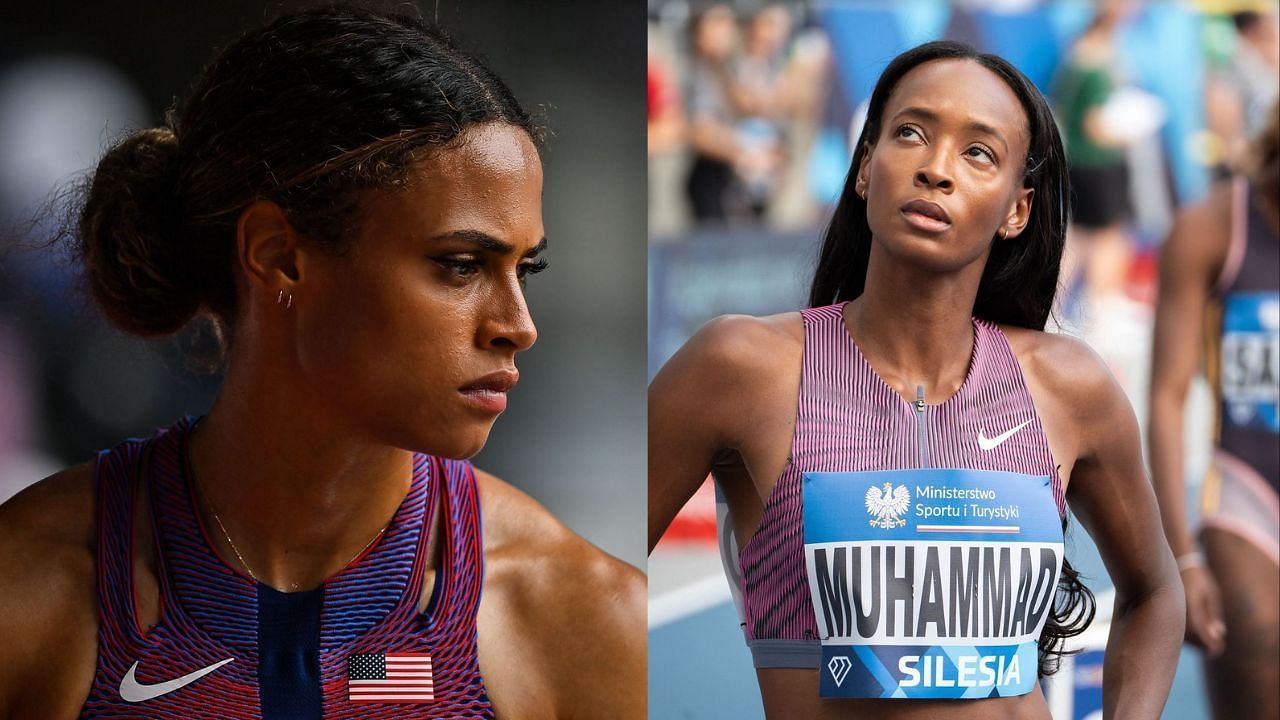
(839, 667)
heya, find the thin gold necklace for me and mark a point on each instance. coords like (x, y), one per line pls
(200, 499)
(245, 565)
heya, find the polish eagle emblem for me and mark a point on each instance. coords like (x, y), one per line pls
(887, 505)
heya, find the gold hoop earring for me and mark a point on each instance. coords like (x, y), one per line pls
(280, 298)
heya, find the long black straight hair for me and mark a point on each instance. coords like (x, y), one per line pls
(1021, 276)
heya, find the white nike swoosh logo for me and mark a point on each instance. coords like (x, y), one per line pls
(990, 443)
(133, 691)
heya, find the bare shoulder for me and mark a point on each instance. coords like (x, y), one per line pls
(1072, 386)
(47, 533)
(768, 328)
(562, 607)
(746, 343)
(1061, 363)
(733, 371)
(740, 337)
(527, 546)
(48, 609)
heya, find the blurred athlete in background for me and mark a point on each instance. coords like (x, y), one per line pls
(1220, 300)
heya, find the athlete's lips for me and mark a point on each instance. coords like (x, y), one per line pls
(489, 393)
(501, 381)
(925, 215)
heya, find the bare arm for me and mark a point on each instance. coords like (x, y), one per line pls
(1110, 495)
(607, 626)
(713, 394)
(562, 624)
(1190, 262)
(682, 436)
(48, 613)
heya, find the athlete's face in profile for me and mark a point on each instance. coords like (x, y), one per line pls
(945, 174)
(420, 321)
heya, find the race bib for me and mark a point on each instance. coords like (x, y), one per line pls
(930, 583)
(1251, 361)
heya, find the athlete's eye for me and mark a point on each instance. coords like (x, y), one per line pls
(981, 153)
(460, 266)
(532, 267)
(906, 131)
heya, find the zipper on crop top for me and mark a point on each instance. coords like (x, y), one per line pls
(922, 429)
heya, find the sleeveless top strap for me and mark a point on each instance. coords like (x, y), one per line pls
(114, 484)
(1238, 240)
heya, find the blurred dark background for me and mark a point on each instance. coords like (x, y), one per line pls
(74, 76)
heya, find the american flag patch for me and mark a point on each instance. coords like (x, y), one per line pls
(394, 677)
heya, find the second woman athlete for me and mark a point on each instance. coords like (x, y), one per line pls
(897, 465)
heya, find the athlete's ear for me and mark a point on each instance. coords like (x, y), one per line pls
(267, 248)
(862, 182)
(1019, 214)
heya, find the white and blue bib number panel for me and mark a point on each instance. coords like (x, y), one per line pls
(1251, 361)
(930, 583)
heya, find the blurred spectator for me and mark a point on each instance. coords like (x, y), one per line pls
(754, 92)
(1238, 92)
(759, 95)
(759, 72)
(804, 90)
(718, 150)
(1099, 119)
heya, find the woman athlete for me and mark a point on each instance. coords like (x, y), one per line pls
(358, 203)
(895, 465)
(1220, 295)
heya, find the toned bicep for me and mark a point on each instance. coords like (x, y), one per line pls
(607, 676)
(47, 619)
(48, 600)
(723, 390)
(684, 432)
(1110, 493)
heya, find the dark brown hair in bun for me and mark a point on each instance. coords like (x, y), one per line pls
(305, 112)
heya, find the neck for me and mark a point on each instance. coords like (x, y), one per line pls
(914, 326)
(298, 493)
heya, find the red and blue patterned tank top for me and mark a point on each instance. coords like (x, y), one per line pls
(226, 646)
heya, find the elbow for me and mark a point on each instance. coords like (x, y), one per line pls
(1162, 598)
